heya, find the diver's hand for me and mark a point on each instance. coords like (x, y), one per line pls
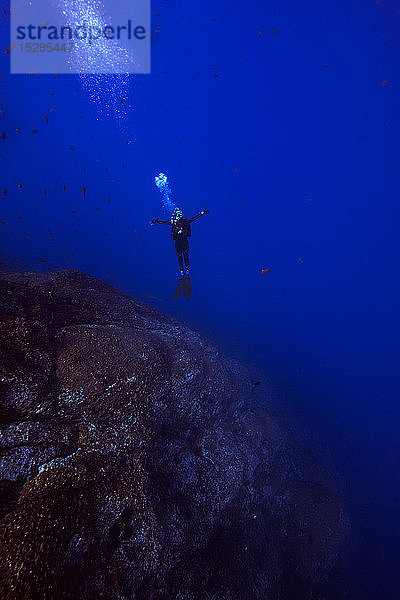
(154, 221)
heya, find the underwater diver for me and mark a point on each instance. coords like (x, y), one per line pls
(180, 231)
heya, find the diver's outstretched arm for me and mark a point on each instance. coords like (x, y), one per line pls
(203, 212)
(154, 221)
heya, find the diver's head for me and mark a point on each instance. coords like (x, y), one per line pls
(177, 215)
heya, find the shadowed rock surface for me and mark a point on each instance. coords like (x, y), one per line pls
(137, 462)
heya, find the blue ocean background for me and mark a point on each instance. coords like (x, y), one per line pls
(283, 119)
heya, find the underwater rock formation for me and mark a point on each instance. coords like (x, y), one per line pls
(137, 462)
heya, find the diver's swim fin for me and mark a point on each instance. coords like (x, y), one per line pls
(187, 287)
(179, 288)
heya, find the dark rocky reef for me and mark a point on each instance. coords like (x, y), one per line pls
(137, 462)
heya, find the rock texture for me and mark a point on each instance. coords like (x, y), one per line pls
(138, 464)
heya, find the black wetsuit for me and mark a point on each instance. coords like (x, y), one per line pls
(179, 233)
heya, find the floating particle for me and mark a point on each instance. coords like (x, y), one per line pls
(265, 271)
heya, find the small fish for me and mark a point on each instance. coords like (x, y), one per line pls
(42, 260)
(216, 75)
(64, 259)
(74, 211)
(275, 31)
(301, 260)
(5, 192)
(3, 136)
(19, 186)
(326, 65)
(17, 129)
(9, 49)
(46, 118)
(83, 191)
(261, 33)
(34, 131)
(64, 188)
(72, 148)
(235, 169)
(384, 82)
(108, 199)
(265, 271)
(26, 233)
(309, 199)
(45, 192)
(3, 223)
(257, 383)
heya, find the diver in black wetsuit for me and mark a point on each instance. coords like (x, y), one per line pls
(180, 232)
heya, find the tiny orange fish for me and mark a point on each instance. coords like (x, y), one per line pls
(265, 271)
(19, 186)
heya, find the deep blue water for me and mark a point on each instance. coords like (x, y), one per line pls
(292, 141)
